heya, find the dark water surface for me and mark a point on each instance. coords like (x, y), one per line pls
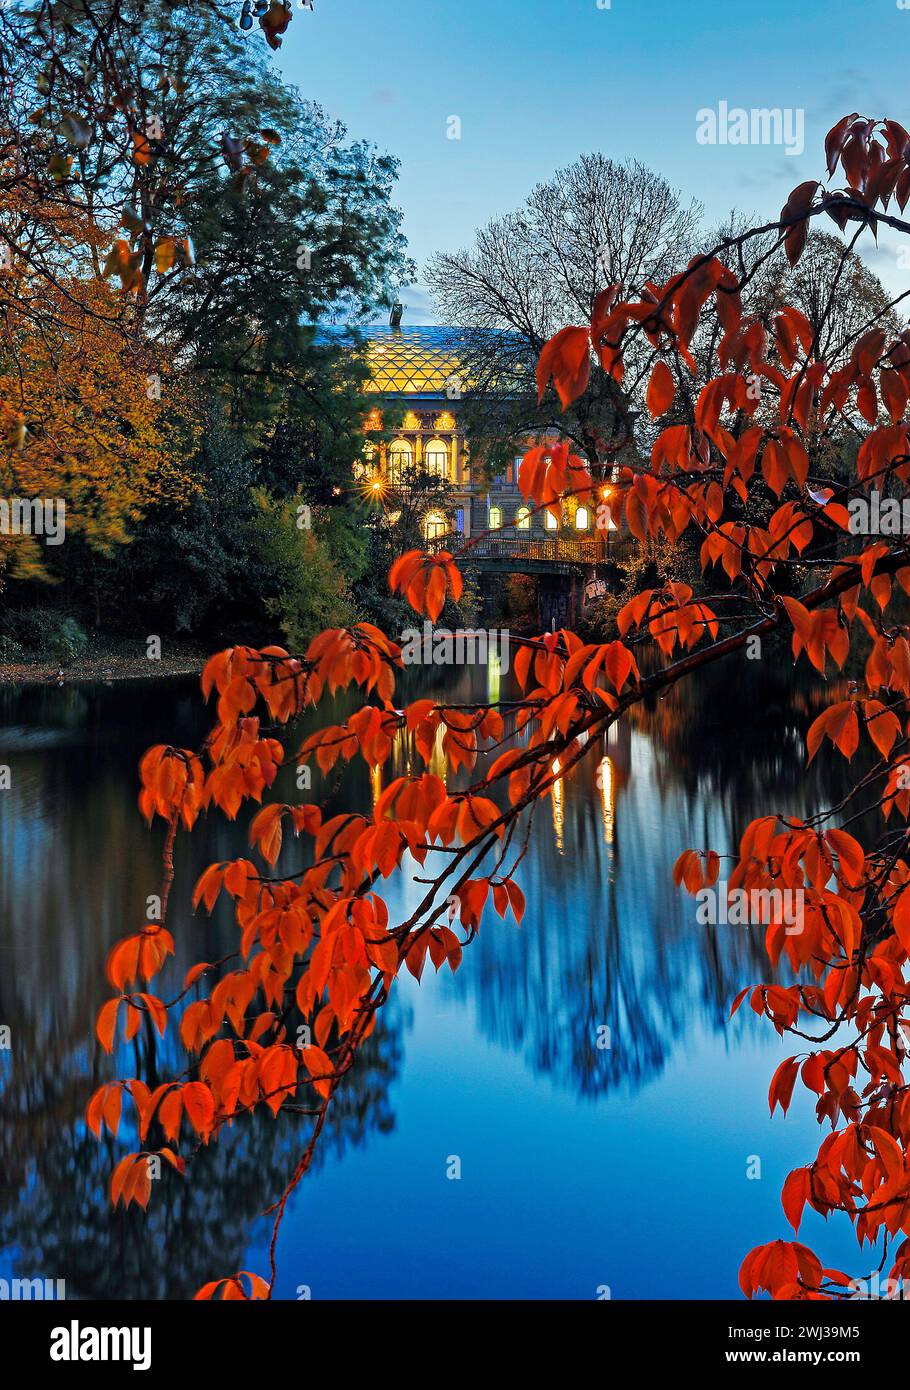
(581, 1167)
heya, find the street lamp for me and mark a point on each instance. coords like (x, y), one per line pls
(606, 493)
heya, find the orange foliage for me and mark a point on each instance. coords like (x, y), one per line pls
(82, 415)
(321, 936)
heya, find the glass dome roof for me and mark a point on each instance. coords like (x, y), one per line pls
(418, 361)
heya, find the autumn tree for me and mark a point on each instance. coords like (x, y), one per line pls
(81, 425)
(282, 1023)
(223, 216)
(234, 211)
(279, 1024)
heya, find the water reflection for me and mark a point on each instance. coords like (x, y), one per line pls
(76, 866)
(606, 943)
(607, 940)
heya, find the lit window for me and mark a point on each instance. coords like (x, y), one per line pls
(436, 458)
(495, 518)
(523, 519)
(552, 523)
(434, 526)
(401, 456)
(582, 519)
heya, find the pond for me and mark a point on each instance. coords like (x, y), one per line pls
(583, 1168)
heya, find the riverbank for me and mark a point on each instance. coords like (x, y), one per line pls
(108, 659)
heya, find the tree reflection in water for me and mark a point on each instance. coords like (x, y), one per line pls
(606, 941)
(76, 864)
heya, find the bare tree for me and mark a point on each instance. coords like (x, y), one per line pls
(599, 223)
(832, 285)
(594, 224)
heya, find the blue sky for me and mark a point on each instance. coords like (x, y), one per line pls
(538, 82)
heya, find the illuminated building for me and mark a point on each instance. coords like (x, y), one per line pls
(417, 377)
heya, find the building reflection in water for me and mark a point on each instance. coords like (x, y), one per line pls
(605, 938)
(606, 784)
(559, 814)
(494, 674)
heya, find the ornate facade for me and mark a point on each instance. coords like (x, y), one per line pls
(417, 370)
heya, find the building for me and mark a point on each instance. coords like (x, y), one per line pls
(417, 370)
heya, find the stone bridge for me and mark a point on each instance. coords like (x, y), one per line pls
(570, 571)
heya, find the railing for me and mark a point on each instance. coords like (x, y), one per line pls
(545, 549)
(554, 549)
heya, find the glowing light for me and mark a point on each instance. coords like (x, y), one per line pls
(559, 813)
(607, 784)
(372, 489)
(438, 763)
(494, 676)
(434, 526)
(376, 783)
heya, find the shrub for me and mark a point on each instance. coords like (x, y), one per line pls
(41, 633)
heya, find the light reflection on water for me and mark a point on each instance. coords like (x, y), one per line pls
(581, 1166)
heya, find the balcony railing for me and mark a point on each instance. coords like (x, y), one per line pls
(547, 549)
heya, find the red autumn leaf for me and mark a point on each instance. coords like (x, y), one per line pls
(661, 390)
(566, 358)
(793, 1197)
(782, 1083)
(320, 1068)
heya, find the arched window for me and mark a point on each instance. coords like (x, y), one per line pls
(523, 518)
(401, 457)
(436, 458)
(434, 526)
(551, 523)
(495, 518)
(582, 519)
